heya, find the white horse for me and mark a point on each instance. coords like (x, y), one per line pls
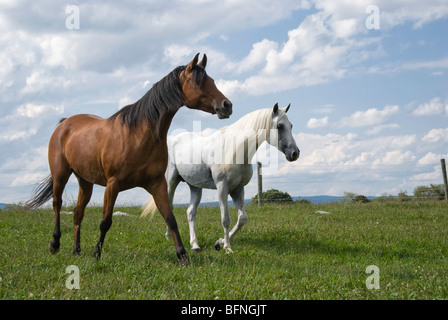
(222, 161)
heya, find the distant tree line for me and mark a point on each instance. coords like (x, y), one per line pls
(432, 192)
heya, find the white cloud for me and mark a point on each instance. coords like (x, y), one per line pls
(32, 110)
(57, 51)
(433, 107)
(396, 157)
(314, 123)
(30, 167)
(26, 120)
(393, 13)
(325, 109)
(16, 134)
(327, 43)
(431, 158)
(378, 129)
(436, 135)
(327, 159)
(40, 80)
(125, 101)
(178, 55)
(334, 163)
(370, 117)
(258, 55)
(229, 87)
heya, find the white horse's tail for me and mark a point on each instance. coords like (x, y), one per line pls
(149, 209)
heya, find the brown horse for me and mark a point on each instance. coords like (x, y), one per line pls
(127, 150)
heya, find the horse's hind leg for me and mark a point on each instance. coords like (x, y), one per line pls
(238, 200)
(85, 192)
(59, 181)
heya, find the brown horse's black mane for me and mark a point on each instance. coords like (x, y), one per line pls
(165, 95)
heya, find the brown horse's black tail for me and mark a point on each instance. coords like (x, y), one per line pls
(42, 194)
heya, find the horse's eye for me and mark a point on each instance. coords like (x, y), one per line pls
(280, 126)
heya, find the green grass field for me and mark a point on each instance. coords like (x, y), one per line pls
(284, 252)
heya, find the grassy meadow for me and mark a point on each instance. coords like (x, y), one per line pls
(283, 252)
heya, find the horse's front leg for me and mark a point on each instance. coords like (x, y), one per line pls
(225, 218)
(195, 199)
(159, 193)
(110, 195)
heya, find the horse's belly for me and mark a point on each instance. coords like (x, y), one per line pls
(238, 175)
(197, 175)
(90, 172)
(208, 184)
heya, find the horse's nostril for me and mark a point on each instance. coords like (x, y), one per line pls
(295, 154)
(227, 104)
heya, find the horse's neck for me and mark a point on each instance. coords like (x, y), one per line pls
(157, 132)
(243, 143)
(165, 122)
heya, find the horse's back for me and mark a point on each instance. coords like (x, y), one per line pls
(73, 123)
(77, 129)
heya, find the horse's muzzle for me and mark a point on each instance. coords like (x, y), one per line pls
(292, 154)
(225, 110)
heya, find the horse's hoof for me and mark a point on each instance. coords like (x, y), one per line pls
(183, 261)
(217, 245)
(196, 250)
(54, 246)
(76, 251)
(97, 254)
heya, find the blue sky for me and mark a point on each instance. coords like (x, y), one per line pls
(369, 106)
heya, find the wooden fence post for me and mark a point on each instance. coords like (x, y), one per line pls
(260, 183)
(442, 161)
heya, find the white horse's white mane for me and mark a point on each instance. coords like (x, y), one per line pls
(256, 120)
(249, 132)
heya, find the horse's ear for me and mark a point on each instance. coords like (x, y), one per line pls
(203, 62)
(287, 108)
(193, 63)
(275, 110)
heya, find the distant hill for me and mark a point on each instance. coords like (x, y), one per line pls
(312, 199)
(320, 199)
(324, 199)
